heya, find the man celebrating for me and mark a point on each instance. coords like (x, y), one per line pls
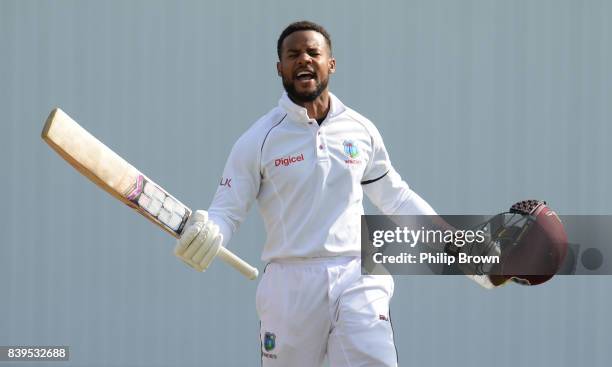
(308, 162)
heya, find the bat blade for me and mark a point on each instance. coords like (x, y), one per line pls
(119, 178)
(112, 173)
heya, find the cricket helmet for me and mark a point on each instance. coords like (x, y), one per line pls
(532, 241)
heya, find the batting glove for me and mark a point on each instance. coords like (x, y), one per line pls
(200, 241)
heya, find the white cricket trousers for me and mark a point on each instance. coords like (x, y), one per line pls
(324, 307)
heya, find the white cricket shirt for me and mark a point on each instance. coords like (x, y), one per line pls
(309, 181)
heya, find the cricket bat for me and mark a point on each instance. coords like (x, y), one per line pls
(119, 178)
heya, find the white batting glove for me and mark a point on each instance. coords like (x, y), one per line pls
(200, 242)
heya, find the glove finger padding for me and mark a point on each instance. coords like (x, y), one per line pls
(187, 238)
(194, 225)
(212, 231)
(200, 242)
(193, 238)
(211, 253)
(197, 242)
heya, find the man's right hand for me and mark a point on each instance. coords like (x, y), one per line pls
(200, 241)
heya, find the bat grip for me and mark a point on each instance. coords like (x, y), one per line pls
(237, 263)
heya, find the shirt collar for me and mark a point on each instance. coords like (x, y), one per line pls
(299, 113)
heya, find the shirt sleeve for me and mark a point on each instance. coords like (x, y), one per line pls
(379, 164)
(238, 188)
(392, 196)
(385, 187)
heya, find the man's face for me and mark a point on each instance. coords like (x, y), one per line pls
(305, 65)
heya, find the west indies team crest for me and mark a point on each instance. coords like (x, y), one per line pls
(350, 149)
(269, 341)
(352, 152)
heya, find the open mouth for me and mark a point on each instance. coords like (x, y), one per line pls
(305, 75)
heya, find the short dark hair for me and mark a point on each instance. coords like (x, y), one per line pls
(302, 25)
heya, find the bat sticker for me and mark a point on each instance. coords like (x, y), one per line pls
(158, 203)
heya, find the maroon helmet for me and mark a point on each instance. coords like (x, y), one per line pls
(533, 244)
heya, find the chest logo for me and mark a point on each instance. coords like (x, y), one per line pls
(351, 151)
(289, 160)
(269, 341)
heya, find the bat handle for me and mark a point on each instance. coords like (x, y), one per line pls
(237, 263)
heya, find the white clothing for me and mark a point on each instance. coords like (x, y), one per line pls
(315, 308)
(309, 181)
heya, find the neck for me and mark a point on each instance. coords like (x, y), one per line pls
(318, 108)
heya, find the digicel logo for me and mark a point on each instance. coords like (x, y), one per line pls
(289, 160)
